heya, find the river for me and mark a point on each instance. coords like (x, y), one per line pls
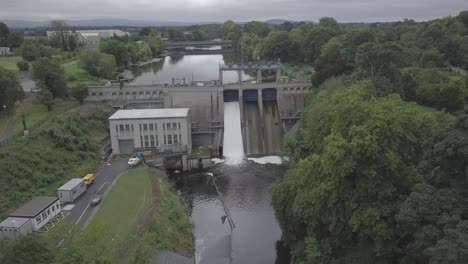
(243, 183)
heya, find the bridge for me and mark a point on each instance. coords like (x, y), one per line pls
(198, 44)
(277, 67)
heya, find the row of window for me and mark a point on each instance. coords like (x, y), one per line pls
(128, 129)
(44, 214)
(153, 140)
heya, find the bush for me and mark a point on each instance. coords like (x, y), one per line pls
(23, 65)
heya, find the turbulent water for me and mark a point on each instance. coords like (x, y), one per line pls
(233, 144)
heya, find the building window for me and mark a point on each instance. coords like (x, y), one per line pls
(150, 127)
(178, 125)
(53, 208)
(73, 191)
(38, 219)
(127, 129)
(132, 129)
(44, 215)
(58, 206)
(146, 141)
(174, 126)
(169, 139)
(121, 127)
(175, 139)
(145, 127)
(152, 140)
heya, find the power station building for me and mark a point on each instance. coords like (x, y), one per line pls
(164, 130)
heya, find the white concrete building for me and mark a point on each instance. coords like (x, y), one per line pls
(71, 190)
(30, 217)
(164, 130)
(5, 51)
(91, 38)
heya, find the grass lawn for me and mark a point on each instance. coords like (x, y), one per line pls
(9, 62)
(36, 113)
(112, 226)
(77, 75)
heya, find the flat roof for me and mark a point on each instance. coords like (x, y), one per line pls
(150, 113)
(14, 222)
(34, 207)
(71, 184)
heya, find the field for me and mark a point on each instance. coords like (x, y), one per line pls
(113, 225)
(77, 75)
(9, 62)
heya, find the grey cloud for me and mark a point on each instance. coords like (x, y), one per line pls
(238, 10)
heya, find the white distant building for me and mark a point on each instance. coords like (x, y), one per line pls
(164, 130)
(5, 51)
(91, 38)
(30, 217)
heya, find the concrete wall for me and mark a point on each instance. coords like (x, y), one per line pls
(158, 133)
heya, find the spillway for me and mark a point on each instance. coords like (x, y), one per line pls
(233, 147)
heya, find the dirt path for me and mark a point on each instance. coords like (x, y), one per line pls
(8, 132)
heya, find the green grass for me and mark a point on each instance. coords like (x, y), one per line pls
(77, 75)
(171, 230)
(113, 225)
(9, 62)
(63, 147)
(36, 113)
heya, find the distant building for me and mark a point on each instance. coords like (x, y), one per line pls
(5, 51)
(90, 38)
(30, 217)
(164, 130)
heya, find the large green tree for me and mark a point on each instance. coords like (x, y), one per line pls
(118, 49)
(26, 250)
(50, 76)
(4, 32)
(361, 162)
(98, 64)
(10, 88)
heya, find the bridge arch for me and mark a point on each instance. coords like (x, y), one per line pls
(134, 95)
(148, 95)
(114, 96)
(101, 96)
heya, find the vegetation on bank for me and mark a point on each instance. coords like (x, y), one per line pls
(10, 62)
(378, 167)
(63, 147)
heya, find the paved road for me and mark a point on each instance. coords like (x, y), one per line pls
(105, 177)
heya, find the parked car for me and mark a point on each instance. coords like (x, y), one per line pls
(96, 200)
(133, 161)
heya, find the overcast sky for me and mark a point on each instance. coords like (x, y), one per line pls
(238, 10)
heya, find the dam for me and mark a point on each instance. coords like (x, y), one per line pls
(267, 109)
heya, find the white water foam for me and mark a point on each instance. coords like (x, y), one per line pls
(268, 160)
(233, 146)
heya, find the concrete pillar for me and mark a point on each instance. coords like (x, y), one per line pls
(278, 75)
(220, 77)
(262, 127)
(259, 76)
(241, 106)
(239, 73)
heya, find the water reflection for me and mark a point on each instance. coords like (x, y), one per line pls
(245, 189)
(190, 67)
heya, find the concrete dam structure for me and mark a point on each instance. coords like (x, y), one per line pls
(267, 110)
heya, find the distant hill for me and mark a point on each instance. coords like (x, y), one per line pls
(101, 23)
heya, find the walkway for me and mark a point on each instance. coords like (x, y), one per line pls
(8, 132)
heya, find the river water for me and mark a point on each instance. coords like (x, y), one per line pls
(241, 184)
(190, 67)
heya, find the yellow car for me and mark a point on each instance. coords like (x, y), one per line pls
(89, 179)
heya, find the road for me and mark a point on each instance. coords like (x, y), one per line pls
(106, 175)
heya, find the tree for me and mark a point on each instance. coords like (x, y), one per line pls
(27, 249)
(118, 49)
(23, 65)
(21, 111)
(362, 161)
(4, 32)
(46, 98)
(176, 34)
(375, 60)
(98, 64)
(50, 76)
(32, 50)
(257, 28)
(278, 45)
(62, 37)
(232, 31)
(155, 43)
(80, 92)
(10, 88)
(331, 62)
(329, 22)
(139, 52)
(15, 39)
